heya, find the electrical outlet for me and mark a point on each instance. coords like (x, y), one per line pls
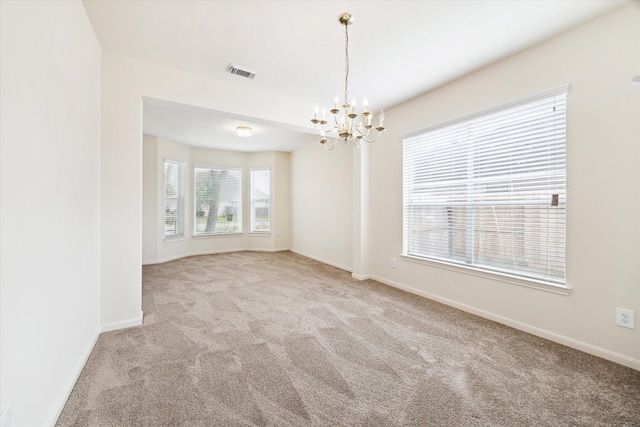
(325, 246)
(278, 231)
(625, 318)
(393, 263)
(152, 247)
(5, 417)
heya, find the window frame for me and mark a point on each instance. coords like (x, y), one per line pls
(252, 222)
(478, 269)
(238, 209)
(179, 199)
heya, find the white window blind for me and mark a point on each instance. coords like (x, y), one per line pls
(173, 198)
(218, 200)
(490, 191)
(260, 200)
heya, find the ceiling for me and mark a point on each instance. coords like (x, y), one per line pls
(398, 50)
(200, 127)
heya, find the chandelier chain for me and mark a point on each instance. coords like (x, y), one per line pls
(346, 63)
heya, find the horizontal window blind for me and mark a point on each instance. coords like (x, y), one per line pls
(218, 200)
(173, 198)
(490, 191)
(260, 200)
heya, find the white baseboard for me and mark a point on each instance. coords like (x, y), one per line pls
(265, 250)
(64, 396)
(322, 260)
(281, 249)
(196, 253)
(136, 321)
(542, 333)
(220, 251)
(360, 276)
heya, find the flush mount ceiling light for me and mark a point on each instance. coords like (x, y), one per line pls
(346, 122)
(244, 131)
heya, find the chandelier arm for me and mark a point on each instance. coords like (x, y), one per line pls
(362, 130)
(375, 139)
(319, 129)
(327, 130)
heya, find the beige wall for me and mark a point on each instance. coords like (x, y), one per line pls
(598, 60)
(50, 210)
(281, 178)
(150, 198)
(322, 204)
(157, 149)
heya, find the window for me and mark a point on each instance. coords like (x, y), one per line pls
(218, 200)
(489, 191)
(260, 198)
(173, 199)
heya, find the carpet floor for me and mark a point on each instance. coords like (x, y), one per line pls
(277, 339)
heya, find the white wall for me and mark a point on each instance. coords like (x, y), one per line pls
(50, 214)
(603, 154)
(157, 149)
(322, 204)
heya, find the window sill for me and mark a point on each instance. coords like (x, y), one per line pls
(175, 239)
(214, 235)
(503, 277)
(260, 234)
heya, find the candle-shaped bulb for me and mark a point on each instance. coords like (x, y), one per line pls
(324, 112)
(365, 104)
(315, 112)
(353, 105)
(381, 117)
(336, 100)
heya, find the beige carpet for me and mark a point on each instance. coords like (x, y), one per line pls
(248, 339)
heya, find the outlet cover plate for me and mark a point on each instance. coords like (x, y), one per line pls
(625, 318)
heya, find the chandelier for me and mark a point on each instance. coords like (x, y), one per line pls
(347, 123)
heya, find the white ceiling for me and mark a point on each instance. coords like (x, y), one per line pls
(200, 127)
(398, 50)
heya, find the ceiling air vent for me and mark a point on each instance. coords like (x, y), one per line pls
(241, 71)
